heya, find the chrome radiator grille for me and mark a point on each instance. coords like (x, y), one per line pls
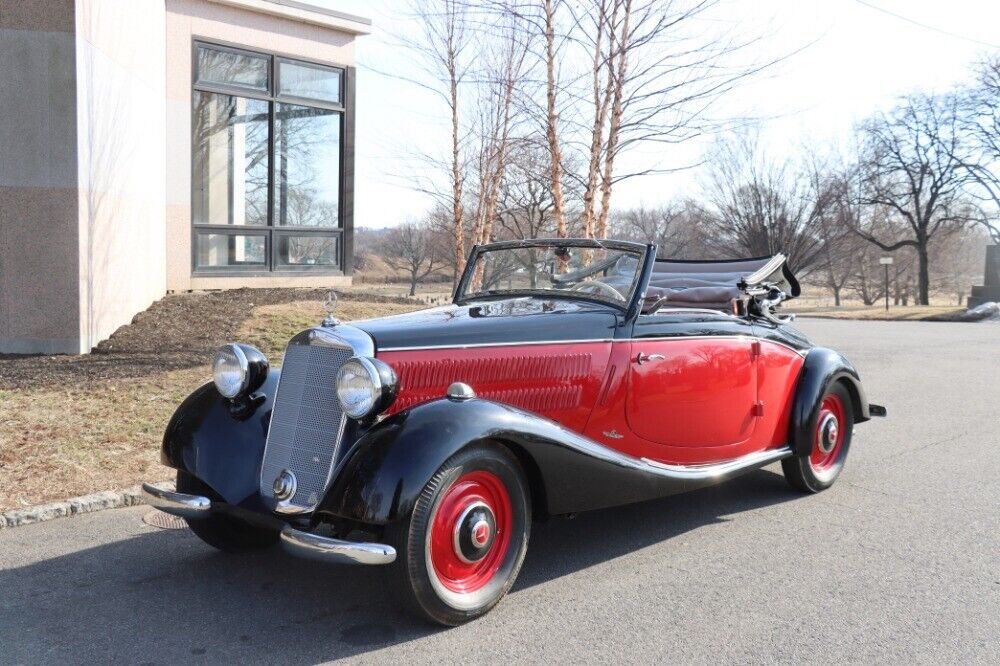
(306, 424)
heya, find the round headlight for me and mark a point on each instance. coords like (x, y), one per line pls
(238, 369)
(365, 386)
(230, 371)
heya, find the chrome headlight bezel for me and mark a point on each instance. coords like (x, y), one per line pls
(380, 394)
(251, 365)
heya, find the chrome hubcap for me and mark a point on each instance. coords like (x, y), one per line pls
(829, 430)
(474, 532)
(284, 485)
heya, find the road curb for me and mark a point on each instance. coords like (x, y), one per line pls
(106, 499)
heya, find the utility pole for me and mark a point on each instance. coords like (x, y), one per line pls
(886, 262)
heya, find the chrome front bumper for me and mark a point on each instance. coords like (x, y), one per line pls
(296, 542)
(177, 504)
(325, 549)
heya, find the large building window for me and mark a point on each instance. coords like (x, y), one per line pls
(268, 163)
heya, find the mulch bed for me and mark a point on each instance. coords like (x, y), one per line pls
(178, 331)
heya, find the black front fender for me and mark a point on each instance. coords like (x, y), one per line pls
(821, 369)
(221, 445)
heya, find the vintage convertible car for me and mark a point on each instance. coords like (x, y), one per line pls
(567, 375)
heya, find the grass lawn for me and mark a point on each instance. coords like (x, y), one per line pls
(72, 425)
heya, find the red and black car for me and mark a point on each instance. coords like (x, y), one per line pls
(567, 375)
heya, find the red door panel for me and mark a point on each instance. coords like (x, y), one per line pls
(692, 392)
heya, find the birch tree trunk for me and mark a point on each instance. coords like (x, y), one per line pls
(551, 129)
(620, 68)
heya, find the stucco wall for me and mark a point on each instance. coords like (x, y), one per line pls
(214, 21)
(121, 139)
(39, 297)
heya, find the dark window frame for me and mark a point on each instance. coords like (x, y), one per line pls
(344, 231)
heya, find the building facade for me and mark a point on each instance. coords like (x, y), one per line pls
(150, 146)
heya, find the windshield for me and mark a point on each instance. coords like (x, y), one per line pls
(575, 269)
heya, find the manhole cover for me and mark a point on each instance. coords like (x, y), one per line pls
(164, 521)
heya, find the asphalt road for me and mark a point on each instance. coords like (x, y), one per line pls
(899, 561)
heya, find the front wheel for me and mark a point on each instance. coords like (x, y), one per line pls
(831, 442)
(464, 543)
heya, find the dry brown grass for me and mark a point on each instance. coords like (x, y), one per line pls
(92, 431)
(873, 312)
(272, 325)
(95, 435)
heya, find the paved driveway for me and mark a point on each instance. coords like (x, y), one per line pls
(899, 561)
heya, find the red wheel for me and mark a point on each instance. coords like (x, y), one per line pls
(831, 440)
(466, 537)
(470, 532)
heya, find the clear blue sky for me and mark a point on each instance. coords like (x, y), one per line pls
(858, 60)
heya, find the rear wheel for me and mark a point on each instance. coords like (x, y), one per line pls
(464, 543)
(830, 444)
(227, 533)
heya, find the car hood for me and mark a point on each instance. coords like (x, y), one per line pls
(513, 320)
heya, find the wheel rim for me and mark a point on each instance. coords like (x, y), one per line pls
(470, 532)
(829, 437)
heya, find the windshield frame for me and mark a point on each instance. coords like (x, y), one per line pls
(646, 254)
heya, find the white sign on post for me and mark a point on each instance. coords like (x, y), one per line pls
(885, 261)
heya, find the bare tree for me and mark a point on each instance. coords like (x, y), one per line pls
(552, 119)
(912, 163)
(665, 68)
(867, 282)
(443, 49)
(653, 70)
(413, 249)
(837, 214)
(502, 74)
(762, 207)
(601, 94)
(840, 246)
(675, 228)
(526, 202)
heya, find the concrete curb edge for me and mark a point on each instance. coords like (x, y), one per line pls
(106, 499)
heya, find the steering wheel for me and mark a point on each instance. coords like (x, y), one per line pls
(598, 287)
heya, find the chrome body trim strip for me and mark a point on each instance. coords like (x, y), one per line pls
(327, 549)
(715, 470)
(476, 345)
(176, 504)
(665, 338)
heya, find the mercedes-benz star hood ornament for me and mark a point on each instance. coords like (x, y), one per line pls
(330, 304)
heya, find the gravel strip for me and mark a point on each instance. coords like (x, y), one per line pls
(106, 499)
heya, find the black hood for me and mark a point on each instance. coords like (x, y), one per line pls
(512, 320)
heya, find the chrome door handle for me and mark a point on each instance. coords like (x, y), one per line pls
(642, 358)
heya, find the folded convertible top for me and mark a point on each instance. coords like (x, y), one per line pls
(713, 283)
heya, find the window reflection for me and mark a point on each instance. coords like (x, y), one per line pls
(311, 81)
(230, 160)
(232, 68)
(309, 250)
(307, 166)
(219, 250)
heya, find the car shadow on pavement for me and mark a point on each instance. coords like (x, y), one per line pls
(164, 597)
